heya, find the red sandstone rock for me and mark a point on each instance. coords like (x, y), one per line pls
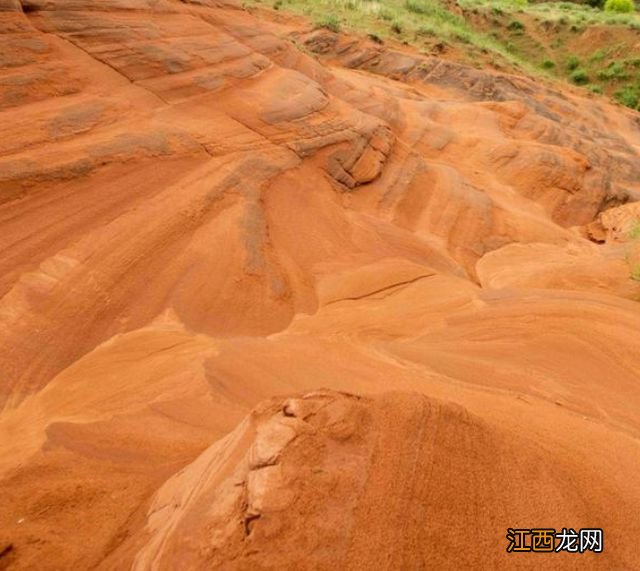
(197, 217)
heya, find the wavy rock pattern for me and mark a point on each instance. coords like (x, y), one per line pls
(197, 215)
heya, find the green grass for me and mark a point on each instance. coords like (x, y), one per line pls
(330, 22)
(417, 6)
(622, 6)
(610, 68)
(396, 27)
(634, 233)
(615, 71)
(628, 96)
(415, 22)
(567, 13)
(501, 33)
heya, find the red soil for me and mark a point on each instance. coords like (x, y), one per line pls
(198, 216)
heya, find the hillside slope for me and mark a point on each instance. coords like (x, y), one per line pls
(202, 210)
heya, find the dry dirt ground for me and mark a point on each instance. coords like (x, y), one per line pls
(273, 298)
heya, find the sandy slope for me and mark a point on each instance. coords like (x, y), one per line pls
(419, 269)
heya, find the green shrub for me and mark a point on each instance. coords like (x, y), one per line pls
(515, 26)
(614, 71)
(548, 64)
(595, 89)
(579, 77)
(330, 22)
(573, 63)
(396, 27)
(621, 6)
(628, 96)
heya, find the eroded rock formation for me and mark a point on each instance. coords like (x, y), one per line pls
(202, 209)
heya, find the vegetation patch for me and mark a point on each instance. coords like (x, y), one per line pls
(330, 22)
(572, 63)
(628, 96)
(622, 6)
(615, 71)
(593, 44)
(516, 26)
(580, 77)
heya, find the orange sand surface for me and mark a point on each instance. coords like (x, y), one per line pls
(277, 298)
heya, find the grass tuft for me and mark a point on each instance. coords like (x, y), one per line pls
(621, 6)
(330, 22)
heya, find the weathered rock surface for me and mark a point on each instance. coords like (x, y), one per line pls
(196, 215)
(329, 480)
